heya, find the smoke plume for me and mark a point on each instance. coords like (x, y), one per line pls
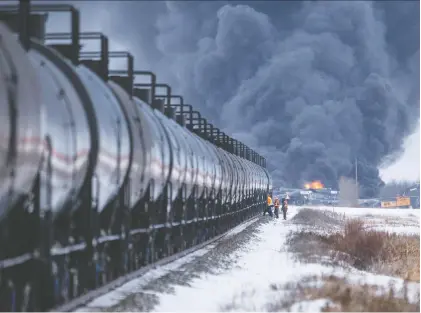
(313, 86)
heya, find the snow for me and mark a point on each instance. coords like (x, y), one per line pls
(114, 297)
(311, 305)
(258, 265)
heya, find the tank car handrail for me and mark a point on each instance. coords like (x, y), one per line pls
(168, 94)
(66, 35)
(179, 105)
(74, 24)
(40, 8)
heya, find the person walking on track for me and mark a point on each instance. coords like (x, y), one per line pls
(277, 205)
(269, 206)
(284, 208)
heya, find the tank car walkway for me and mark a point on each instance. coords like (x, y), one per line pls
(209, 278)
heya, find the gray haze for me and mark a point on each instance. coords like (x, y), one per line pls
(310, 85)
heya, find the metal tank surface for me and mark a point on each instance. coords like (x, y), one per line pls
(192, 169)
(188, 157)
(203, 167)
(232, 178)
(157, 146)
(226, 174)
(139, 176)
(21, 142)
(211, 160)
(113, 136)
(217, 181)
(177, 155)
(65, 125)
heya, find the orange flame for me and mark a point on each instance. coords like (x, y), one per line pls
(317, 184)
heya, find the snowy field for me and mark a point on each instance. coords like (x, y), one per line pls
(240, 272)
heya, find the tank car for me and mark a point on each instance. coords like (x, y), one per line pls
(119, 183)
(88, 135)
(21, 141)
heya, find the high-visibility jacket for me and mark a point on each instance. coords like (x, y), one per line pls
(269, 201)
(277, 203)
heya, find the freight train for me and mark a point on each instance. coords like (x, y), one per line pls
(102, 176)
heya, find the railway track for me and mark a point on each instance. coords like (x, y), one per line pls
(85, 299)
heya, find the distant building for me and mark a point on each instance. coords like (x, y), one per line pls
(414, 193)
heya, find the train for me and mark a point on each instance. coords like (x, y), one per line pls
(102, 176)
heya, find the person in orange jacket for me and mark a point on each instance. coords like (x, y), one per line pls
(277, 204)
(269, 206)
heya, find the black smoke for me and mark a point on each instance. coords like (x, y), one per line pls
(313, 86)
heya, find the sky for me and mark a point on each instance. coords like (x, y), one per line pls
(318, 85)
(407, 167)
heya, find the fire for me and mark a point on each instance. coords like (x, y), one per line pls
(317, 184)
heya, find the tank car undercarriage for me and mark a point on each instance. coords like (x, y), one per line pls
(102, 176)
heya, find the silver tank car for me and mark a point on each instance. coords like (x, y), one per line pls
(217, 169)
(156, 147)
(211, 160)
(65, 125)
(226, 174)
(177, 153)
(139, 175)
(113, 136)
(81, 114)
(192, 169)
(203, 166)
(21, 142)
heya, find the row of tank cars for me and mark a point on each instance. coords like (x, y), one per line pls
(97, 183)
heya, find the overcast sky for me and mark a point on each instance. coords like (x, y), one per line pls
(407, 166)
(111, 18)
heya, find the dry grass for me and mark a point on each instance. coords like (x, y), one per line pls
(336, 294)
(363, 248)
(389, 253)
(347, 297)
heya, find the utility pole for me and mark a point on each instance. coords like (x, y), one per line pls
(356, 178)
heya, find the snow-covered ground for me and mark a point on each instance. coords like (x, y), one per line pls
(259, 263)
(405, 221)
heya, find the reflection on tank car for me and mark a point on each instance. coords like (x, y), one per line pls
(20, 122)
(156, 144)
(65, 124)
(138, 161)
(113, 136)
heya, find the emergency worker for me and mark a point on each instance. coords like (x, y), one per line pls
(284, 207)
(269, 206)
(277, 204)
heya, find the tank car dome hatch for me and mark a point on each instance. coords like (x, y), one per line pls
(21, 143)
